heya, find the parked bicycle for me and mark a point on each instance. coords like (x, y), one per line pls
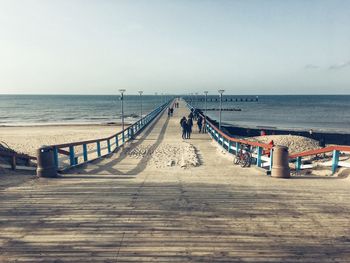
(243, 157)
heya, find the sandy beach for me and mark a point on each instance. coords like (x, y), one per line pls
(29, 139)
(295, 144)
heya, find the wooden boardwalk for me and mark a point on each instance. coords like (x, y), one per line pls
(120, 209)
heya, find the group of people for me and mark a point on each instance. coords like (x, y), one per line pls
(187, 124)
(170, 112)
(176, 105)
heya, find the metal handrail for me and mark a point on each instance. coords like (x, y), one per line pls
(226, 140)
(120, 137)
(335, 149)
(233, 139)
(328, 149)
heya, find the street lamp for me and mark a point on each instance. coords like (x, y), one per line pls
(196, 99)
(140, 92)
(122, 103)
(221, 91)
(205, 112)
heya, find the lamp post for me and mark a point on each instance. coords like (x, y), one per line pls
(140, 92)
(196, 99)
(221, 91)
(122, 103)
(205, 112)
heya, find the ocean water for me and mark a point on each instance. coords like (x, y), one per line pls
(298, 112)
(323, 113)
(71, 109)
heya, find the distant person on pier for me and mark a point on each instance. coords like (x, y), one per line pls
(171, 112)
(311, 132)
(200, 123)
(204, 126)
(196, 114)
(189, 128)
(183, 124)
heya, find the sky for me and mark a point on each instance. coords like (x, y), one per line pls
(174, 47)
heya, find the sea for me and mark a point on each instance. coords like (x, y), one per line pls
(325, 113)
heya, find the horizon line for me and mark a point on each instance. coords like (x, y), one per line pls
(145, 94)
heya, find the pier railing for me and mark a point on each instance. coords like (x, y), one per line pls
(334, 163)
(233, 145)
(261, 153)
(14, 156)
(69, 155)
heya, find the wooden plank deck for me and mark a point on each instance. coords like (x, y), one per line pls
(121, 210)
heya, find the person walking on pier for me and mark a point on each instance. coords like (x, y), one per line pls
(189, 128)
(169, 112)
(183, 123)
(199, 123)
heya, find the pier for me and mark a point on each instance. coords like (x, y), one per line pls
(121, 209)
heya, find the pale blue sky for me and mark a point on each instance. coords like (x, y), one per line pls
(245, 47)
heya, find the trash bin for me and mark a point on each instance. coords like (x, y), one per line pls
(45, 163)
(280, 162)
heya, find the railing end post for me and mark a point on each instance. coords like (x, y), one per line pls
(335, 161)
(258, 159)
(298, 164)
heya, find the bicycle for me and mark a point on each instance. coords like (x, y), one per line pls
(243, 157)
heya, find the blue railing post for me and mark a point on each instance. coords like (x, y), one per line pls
(335, 161)
(237, 147)
(55, 156)
(223, 142)
(71, 155)
(258, 159)
(98, 148)
(298, 164)
(229, 146)
(133, 131)
(116, 141)
(85, 153)
(109, 145)
(271, 159)
(123, 137)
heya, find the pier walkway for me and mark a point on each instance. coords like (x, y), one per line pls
(121, 209)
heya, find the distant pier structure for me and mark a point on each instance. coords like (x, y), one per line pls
(214, 98)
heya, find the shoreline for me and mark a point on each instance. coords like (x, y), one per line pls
(65, 124)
